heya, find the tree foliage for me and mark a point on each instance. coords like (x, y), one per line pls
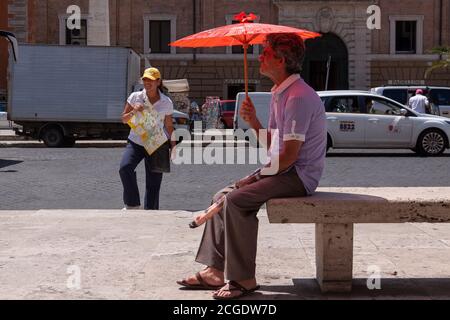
(443, 63)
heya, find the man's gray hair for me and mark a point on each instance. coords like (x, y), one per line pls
(289, 46)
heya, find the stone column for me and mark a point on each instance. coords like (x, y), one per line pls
(98, 24)
(334, 257)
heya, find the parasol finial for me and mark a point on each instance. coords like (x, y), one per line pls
(242, 17)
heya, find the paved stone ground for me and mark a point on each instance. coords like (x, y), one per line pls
(135, 255)
(87, 178)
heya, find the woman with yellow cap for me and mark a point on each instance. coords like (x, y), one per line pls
(156, 163)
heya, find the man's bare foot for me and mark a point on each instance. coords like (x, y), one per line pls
(211, 276)
(235, 289)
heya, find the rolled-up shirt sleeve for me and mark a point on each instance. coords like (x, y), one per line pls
(272, 121)
(132, 99)
(169, 108)
(297, 118)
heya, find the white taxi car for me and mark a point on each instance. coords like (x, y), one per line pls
(359, 119)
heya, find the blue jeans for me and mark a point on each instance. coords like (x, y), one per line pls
(132, 156)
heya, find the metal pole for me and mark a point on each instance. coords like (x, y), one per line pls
(328, 72)
(194, 25)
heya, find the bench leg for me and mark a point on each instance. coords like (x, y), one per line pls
(334, 257)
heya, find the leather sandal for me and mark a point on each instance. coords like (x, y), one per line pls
(201, 285)
(234, 286)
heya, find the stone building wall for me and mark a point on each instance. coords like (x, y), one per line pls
(388, 68)
(18, 19)
(14, 18)
(210, 78)
(210, 71)
(346, 19)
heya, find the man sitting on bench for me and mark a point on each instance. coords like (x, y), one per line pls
(297, 139)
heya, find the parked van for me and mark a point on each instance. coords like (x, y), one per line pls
(439, 97)
(261, 101)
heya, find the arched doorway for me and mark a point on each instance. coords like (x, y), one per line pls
(318, 52)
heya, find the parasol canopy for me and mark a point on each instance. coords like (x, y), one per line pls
(244, 33)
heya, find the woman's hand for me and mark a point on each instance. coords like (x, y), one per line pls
(173, 154)
(173, 151)
(138, 107)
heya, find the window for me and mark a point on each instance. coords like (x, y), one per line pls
(159, 36)
(74, 37)
(381, 107)
(405, 36)
(440, 97)
(399, 95)
(77, 37)
(343, 105)
(159, 31)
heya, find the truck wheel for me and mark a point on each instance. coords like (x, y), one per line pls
(431, 143)
(69, 142)
(53, 137)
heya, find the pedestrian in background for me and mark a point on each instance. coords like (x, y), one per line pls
(419, 102)
(158, 162)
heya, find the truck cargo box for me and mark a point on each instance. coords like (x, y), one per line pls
(71, 84)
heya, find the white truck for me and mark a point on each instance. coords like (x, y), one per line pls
(59, 94)
(261, 101)
(11, 39)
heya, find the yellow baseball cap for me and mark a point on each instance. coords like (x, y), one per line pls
(152, 74)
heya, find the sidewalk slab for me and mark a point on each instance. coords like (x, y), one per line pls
(140, 254)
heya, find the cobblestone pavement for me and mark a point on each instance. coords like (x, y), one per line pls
(87, 178)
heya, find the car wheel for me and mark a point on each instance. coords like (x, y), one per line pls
(53, 137)
(431, 143)
(329, 142)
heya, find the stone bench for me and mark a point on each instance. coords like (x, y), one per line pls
(335, 210)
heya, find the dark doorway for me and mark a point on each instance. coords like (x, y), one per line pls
(234, 89)
(318, 52)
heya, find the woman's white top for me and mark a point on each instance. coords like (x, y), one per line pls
(164, 106)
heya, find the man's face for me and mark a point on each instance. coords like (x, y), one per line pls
(269, 63)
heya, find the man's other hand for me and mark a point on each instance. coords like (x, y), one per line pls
(248, 111)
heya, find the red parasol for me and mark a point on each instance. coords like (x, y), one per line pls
(243, 34)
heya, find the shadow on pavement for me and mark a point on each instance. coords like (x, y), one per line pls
(380, 155)
(391, 289)
(7, 163)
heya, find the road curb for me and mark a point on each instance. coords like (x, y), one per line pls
(117, 144)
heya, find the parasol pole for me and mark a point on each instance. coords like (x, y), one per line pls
(245, 45)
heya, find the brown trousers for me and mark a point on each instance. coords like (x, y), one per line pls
(229, 239)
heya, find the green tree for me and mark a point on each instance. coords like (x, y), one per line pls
(443, 63)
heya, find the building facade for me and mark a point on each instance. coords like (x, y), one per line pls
(362, 49)
(13, 17)
(410, 29)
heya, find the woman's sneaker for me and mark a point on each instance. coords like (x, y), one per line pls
(131, 208)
